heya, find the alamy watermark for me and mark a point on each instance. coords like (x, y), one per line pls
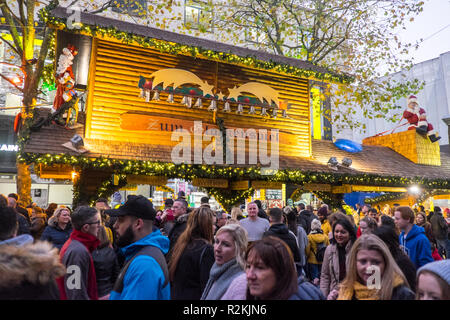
(73, 280)
(374, 281)
(74, 18)
(238, 144)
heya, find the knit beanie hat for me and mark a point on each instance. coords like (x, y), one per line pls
(440, 268)
(316, 225)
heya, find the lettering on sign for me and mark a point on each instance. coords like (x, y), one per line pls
(9, 148)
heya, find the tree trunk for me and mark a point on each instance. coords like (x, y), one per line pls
(24, 183)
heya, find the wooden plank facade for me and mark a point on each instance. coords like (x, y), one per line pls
(115, 69)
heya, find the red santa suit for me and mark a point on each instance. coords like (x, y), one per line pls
(417, 119)
(65, 79)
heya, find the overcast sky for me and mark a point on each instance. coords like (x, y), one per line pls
(433, 26)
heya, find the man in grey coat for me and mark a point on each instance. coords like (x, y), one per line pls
(440, 231)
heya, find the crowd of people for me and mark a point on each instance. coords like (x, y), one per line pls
(136, 252)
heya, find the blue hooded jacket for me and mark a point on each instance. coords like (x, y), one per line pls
(144, 278)
(417, 246)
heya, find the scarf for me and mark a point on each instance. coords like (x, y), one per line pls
(220, 278)
(91, 243)
(362, 292)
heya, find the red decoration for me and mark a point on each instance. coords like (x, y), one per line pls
(64, 77)
(417, 118)
(17, 122)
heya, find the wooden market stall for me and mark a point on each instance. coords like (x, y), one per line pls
(150, 92)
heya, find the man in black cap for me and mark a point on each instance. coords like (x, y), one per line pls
(144, 275)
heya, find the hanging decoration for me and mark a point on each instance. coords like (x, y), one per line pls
(64, 77)
(178, 82)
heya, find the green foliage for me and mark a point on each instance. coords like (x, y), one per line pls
(357, 37)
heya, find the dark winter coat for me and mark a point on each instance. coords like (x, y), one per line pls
(281, 231)
(23, 212)
(409, 270)
(177, 230)
(439, 226)
(28, 272)
(192, 272)
(38, 225)
(307, 291)
(402, 293)
(56, 235)
(262, 214)
(24, 226)
(305, 218)
(106, 269)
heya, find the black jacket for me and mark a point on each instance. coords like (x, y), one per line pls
(56, 235)
(262, 214)
(402, 293)
(24, 226)
(177, 230)
(280, 230)
(305, 218)
(106, 269)
(408, 268)
(192, 272)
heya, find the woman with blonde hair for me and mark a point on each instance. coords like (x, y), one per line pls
(369, 259)
(236, 213)
(230, 244)
(193, 256)
(59, 227)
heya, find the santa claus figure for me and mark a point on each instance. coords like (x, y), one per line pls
(65, 79)
(417, 118)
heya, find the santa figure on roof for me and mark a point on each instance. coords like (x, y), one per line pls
(417, 119)
(65, 79)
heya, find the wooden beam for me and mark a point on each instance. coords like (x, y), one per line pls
(240, 185)
(267, 185)
(57, 171)
(143, 179)
(210, 183)
(317, 187)
(377, 189)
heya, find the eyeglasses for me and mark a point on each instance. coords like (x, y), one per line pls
(96, 222)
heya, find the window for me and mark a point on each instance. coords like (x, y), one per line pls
(135, 8)
(197, 15)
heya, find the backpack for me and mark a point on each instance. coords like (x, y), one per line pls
(320, 251)
(151, 251)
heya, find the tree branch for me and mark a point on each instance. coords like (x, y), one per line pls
(11, 83)
(12, 27)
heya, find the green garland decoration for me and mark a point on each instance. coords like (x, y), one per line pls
(334, 200)
(387, 197)
(194, 51)
(228, 198)
(189, 171)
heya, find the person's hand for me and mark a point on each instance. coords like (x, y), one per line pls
(316, 281)
(333, 295)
